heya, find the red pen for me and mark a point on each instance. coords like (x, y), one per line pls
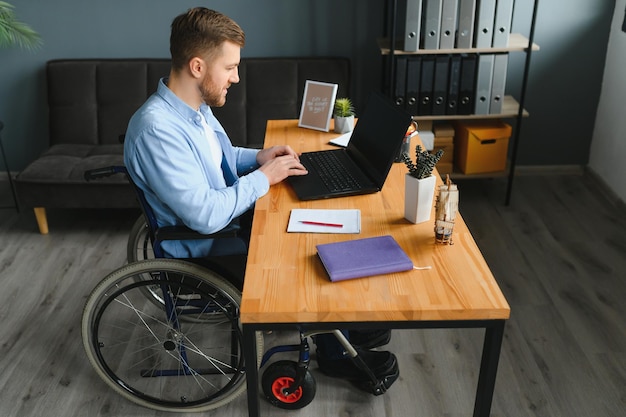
(321, 224)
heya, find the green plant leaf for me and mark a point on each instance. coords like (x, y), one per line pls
(343, 107)
(15, 33)
(424, 162)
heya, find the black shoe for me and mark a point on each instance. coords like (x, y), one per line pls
(369, 339)
(383, 364)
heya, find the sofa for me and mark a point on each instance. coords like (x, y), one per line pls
(90, 102)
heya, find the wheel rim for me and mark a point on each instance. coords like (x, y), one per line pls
(139, 246)
(280, 385)
(207, 373)
(144, 393)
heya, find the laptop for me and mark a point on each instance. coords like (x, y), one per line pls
(362, 167)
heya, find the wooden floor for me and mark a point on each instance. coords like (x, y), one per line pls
(558, 252)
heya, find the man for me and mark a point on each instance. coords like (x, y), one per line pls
(178, 153)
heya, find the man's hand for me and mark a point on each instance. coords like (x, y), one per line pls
(268, 154)
(279, 162)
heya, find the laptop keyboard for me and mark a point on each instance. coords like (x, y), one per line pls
(334, 175)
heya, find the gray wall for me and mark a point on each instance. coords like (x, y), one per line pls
(564, 80)
(608, 149)
(562, 97)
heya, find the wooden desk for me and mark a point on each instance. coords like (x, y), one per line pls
(287, 287)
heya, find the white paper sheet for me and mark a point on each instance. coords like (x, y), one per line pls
(342, 221)
(341, 140)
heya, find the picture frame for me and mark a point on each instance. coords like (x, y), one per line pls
(317, 105)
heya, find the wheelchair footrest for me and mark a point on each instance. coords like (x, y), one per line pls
(381, 385)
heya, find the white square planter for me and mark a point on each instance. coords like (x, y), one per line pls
(344, 124)
(418, 198)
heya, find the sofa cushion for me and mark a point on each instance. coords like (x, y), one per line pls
(90, 101)
(57, 178)
(68, 163)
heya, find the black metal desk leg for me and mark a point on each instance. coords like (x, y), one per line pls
(488, 368)
(252, 370)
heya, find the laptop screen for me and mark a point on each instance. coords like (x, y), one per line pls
(378, 136)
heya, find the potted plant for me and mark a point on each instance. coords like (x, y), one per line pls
(15, 33)
(419, 184)
(343, 113)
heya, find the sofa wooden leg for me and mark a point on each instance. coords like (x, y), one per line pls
(42, 220)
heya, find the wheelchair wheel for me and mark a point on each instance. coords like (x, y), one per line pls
(139, 247)
(281, 375)
(150, 353)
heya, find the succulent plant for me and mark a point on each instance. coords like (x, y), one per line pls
(424, 162)
(343, 107)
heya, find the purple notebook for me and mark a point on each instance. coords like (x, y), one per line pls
(363, 258)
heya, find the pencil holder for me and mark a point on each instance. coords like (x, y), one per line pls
(446, 207)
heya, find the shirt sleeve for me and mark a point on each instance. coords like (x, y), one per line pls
(246, 160)
(182, 186)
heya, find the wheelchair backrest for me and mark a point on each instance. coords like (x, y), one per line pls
(143, 203)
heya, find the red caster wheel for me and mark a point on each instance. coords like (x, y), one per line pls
(280, 376)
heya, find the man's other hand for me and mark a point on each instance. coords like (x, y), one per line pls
(280, 162)
(268, 154)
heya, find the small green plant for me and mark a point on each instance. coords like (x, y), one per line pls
(343, 107)
(424, 162)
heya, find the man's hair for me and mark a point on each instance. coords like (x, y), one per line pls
(200, 32)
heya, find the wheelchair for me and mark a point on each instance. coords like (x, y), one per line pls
(165, 333)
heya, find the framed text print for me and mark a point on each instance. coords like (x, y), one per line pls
(317, 105)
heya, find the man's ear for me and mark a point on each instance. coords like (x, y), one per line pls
(197, 67)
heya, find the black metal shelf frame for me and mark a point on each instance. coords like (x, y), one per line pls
(390, 28)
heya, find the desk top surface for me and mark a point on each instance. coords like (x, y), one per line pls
(285, 281)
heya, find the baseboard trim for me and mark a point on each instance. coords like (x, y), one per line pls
(578, 170)
(3, 174)
(605, 190)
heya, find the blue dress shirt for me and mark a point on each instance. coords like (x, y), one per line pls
(167, 154)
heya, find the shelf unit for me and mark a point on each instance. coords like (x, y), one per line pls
(517, 43)
(511, 108)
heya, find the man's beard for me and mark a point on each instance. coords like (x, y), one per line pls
(211, 93)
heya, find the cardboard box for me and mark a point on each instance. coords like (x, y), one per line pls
(424, 125)
(447, 144)
(482, 146)
(444, 168)
(444, 130)
(444, 139)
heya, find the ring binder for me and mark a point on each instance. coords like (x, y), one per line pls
(432, 24)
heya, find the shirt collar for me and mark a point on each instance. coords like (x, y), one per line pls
(185, 110)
